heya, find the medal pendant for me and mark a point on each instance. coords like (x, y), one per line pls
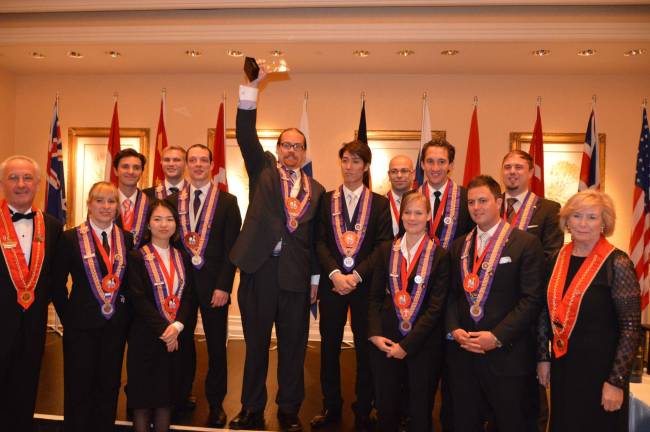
(447, 220)
(405, 326)
(107, 309)
(350, 239)
(197, 260)
(418, 279)
(348, 262)
(110, 282)
(402, 300)
(357, 227)
(471, 282)
(172, 303)
(485, 266)
(293, 223)
(293, 206)
(191, 240)
(476, 310)
(26, 297)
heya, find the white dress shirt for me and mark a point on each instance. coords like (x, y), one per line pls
(517, 205)
(351, 199)
(166, 258)
(190, 208)
(409, 254)
(98, 232)
(180, 185)
(25, 232)
(484, 237)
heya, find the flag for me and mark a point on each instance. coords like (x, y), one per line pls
(113, 148)
(425, 137)
(473, 156)
(640, 238)
(219, 152)
(304, 128)
(161, 143)
(537, 154)
(362, 135)
(55, 194)
(590, 168)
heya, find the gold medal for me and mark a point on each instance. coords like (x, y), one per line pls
(476, 310)
(405, 326)
(192, 240)
(350, 239)
(402, 300)
(25, 296)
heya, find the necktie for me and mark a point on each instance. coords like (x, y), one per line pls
(196, 205)
(105, 244)
(352, 204)
(436, 202)
(173, 190)
(510, 208)
(482, 241)
(127, 214)
(15, 217)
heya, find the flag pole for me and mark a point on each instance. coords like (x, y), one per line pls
(644, 104)
(593, 102)
(115, 95)
(539, 101)
(363, 98)
(164, 102)
(224, 99)
(475, 101)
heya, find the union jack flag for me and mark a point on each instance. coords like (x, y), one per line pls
(640, 238)
(55, 203)
(590, 168)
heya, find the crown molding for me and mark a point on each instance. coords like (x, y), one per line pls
(297, 33)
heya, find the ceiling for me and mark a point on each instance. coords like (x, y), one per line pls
(492, 38)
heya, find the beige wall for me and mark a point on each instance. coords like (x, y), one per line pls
(507, 103)
(7, 113)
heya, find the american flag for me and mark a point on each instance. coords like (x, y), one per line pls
(55, 195)
(640, 239)
(590, 168)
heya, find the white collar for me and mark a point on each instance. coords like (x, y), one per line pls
(178, 185)
(442, 188)
(108, 230)
(131, 198)
(356, 192)
(13, 210)
(489, 232)
(204, 189)
(519, 198)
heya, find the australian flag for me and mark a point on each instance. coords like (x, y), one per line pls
(55, 195)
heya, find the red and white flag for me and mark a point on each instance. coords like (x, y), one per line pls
(161, 143)
(473, 157)
(537, 154)
(113, 147)
(219, 152)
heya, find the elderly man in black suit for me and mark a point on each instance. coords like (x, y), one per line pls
(279, 269)
(495, 298)
(28, 241)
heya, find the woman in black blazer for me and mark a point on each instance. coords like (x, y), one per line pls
(163, 298)
(95, 314)
(407, 295)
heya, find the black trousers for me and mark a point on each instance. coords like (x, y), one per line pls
(188, 360)
(262, 303)
(478, 394)
(420, 371)
(92, 368)
(333, 316)
(19, 374)
(215, 325)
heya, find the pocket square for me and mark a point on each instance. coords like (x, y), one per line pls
(505, 260)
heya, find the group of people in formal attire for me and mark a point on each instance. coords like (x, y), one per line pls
(467, 289)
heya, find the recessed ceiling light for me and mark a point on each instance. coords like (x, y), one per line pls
(405, 52)
(193, 53)
(361, 53)
(635, 52)
(38, 55)
(541, 52)
(450, 52)
(587, 52)
(113, 54)
(75, 55)
(277, 53)
(235, 53)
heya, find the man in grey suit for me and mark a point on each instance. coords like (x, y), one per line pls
(279, 269)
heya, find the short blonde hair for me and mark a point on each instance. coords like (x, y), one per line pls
(590, 198)
(103, 186)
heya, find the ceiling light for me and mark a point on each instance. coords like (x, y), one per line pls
(38, 55)
(635, 52)
(193, 53)
(450, 52)
(587, 52)
(276, 53)
(405, 52)
(75, 55)
(541, 52)
(113, 54)
(235, 53)
(361, 53)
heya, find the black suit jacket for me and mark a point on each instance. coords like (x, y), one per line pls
(218, 272)
(513, 305)
(12, 315)
(465, 223)
(143, 295)
(379, 231)
(80, 309)
(428, 327)
(265, 222)
(545, 225)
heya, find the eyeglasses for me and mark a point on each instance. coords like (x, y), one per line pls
(403, 171)
(292, 146)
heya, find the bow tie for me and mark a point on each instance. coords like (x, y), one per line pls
(15, 217)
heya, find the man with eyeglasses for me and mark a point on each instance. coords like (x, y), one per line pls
(401, 175)
(279, 269)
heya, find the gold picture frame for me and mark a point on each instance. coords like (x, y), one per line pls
(86, 157)
(562, 160)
